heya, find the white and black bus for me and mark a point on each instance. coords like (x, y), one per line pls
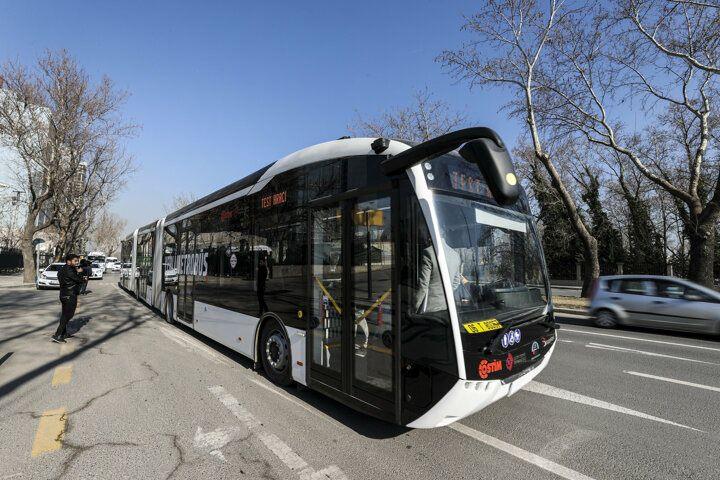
(406, 281)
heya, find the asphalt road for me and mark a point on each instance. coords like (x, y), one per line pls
(130, 396)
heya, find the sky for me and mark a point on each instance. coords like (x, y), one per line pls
(222, 88)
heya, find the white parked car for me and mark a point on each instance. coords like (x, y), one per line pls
(97, 271)
(48, 277)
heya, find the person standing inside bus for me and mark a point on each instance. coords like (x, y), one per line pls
(70, 282)
(430, 296)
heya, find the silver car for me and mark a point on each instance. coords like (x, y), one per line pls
(655, 301)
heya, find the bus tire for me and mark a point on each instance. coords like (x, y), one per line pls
(275, 353)
(169, 312)
(606, 319)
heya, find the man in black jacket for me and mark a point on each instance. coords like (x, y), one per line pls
(70, 282)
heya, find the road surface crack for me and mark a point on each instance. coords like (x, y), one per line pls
(78, 450)
(154, 374)
(182, 460)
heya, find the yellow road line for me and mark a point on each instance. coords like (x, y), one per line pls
(50, 431)
(62, 375)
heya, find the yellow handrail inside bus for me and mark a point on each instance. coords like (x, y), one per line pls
(339, 310)
(327, 294)
(374, 305)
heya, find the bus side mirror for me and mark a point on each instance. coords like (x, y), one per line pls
(496, 166)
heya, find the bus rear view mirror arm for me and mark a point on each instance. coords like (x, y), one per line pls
(482, 146)
(497, 168)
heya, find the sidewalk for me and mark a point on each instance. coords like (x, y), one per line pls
(13, 280)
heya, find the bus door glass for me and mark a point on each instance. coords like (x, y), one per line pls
(352, 320)
(326, 311)
(372, 313)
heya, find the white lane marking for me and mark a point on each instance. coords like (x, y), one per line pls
(518, 452)
(566, 341)
(550, 391)
(289, 399)
(193, 344)
(643, 352)
(213, 442)
(625, 337)
(673, 380)
(281, 450)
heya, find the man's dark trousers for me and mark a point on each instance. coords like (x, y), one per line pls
(68, 310)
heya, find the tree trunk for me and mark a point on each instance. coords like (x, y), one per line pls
(702, 254)
(28, 253)
(592, 263)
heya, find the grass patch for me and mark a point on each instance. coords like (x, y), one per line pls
(571, 302)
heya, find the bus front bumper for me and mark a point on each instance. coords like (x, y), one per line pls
(470, 396)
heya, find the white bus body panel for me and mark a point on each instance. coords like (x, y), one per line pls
(232, 329)
(467, 397)
(239, 332)
(297, 354)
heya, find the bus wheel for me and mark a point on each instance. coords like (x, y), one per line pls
(169, 309)
(275, 354)
(605, 319)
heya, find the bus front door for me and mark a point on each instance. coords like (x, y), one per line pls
(352, 322)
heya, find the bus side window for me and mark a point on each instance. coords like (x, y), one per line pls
(325, 180)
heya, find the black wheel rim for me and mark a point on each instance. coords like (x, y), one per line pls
(276, 351)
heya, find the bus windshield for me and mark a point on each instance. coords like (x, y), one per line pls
(493, 257)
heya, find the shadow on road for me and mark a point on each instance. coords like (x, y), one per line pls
(4, 358)
(77, 323)
(363, 424)
(133, 320)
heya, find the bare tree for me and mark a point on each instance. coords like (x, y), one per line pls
(179, 201)
(107, 232)
(661, 57)
(67, 135)
(10, 231)
(508, 49)
(424, 119)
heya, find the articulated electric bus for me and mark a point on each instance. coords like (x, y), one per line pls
(406, 281)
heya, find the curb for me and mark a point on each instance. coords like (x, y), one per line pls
(21, 285)
(572, 311)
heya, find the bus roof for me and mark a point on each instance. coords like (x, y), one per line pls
(345, 147)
